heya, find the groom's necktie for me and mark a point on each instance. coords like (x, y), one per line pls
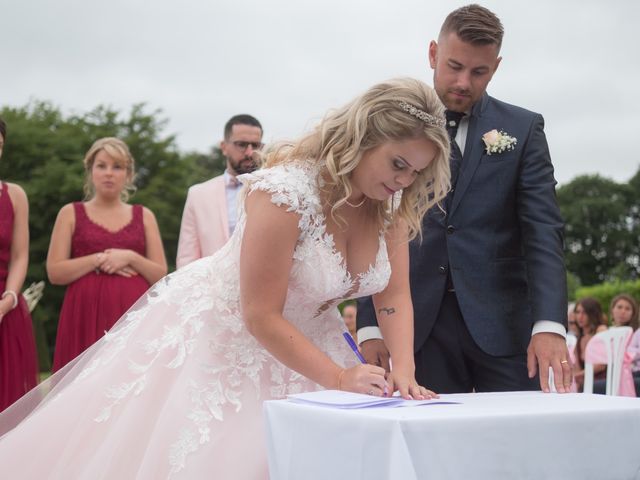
(453, 121)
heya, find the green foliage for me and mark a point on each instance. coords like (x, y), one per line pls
(605, 292)
(43, 153)
(573, 283)
(602, 229)
(345, 303)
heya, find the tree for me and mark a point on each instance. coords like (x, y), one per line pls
(600, 243)
(573, 284)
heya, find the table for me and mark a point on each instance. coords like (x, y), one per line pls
(528, 435)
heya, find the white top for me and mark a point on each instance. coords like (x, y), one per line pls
(231, 191)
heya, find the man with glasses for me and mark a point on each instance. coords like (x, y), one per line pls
(210, 212)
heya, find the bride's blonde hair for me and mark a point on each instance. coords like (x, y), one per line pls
(382, 114)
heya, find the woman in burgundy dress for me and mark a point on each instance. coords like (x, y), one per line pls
(18, 358)
(107, 251)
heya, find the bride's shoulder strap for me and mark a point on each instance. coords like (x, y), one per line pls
(293, 185)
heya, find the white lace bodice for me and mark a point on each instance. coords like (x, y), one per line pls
(319, 277)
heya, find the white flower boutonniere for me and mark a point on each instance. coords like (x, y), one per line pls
(498, 141)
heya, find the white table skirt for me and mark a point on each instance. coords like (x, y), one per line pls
(517, 435)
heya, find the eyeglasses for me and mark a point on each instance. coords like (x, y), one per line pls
(240, 145)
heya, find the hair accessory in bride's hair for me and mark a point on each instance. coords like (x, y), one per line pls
(422, 115)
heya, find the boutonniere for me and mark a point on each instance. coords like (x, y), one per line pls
(498, 141)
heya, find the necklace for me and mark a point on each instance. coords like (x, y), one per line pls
(358, 205)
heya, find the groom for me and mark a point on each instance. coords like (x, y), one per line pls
(488, 280)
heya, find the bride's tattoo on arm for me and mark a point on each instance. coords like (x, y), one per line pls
(388, 311)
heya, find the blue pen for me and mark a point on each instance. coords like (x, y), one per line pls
(353, 346)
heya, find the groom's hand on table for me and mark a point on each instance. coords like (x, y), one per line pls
(406, 385)
(549, 350)
(375, 352)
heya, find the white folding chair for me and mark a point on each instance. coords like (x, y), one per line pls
(615, 342)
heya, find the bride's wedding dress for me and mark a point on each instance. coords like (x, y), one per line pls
(175, 389)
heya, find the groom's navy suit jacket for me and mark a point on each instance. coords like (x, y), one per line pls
(501, 240)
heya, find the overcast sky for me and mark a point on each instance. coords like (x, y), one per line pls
(288, 61)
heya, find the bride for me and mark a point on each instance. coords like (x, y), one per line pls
(175, 389)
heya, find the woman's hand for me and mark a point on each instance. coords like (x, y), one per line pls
(367, 379)
(126, 272)
(408, 387)
(6, 305)
(116, 260)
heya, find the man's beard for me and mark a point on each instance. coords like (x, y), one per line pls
(246, 165)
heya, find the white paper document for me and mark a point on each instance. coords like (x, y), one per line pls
(341, 399)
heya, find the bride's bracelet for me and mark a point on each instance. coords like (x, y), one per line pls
(340, 375)
(13, 295)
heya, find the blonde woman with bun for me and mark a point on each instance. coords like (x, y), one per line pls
(105, 250)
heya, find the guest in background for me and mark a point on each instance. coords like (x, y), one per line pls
(18, 357)
(210, 211)
(349, 313)
(624, 311)
(634, 350)
(590, 321)
(107, 251)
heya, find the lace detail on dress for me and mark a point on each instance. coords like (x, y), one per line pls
(378, 273)
(291, 186)
(303, 197)
(91, 237)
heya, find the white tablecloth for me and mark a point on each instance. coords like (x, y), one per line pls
(517, 435)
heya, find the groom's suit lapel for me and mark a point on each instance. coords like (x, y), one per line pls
(473, 151)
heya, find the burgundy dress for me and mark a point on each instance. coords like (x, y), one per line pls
(18, 357)
(95, 301)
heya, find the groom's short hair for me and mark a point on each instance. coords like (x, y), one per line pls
(474, 24)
